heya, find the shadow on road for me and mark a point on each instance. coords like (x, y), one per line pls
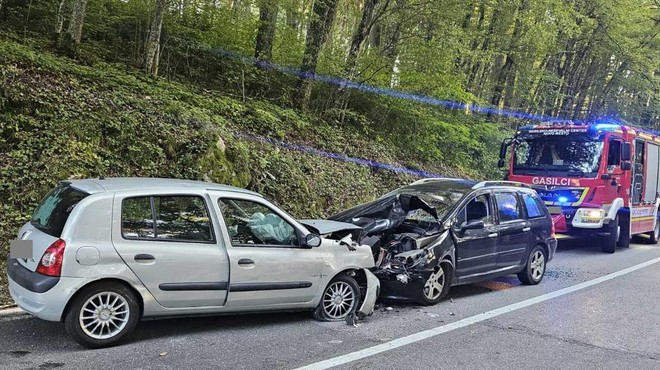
(34, 335)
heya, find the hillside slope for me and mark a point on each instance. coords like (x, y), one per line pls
(60, 119)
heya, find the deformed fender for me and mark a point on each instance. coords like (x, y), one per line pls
(373, 286)
(369, 302)
(445, 247)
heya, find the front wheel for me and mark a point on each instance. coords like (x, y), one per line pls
(654, 235)
(437, 285)
(339, 300)
(102, 315)
(612, 238)
(535, 268)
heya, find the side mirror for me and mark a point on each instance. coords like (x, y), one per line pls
(473, 225)
(504, 146)
(626, 152)
(626, 166)
(500, 163)
(312, 240)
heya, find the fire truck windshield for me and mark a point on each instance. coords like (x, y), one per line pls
(571, 155)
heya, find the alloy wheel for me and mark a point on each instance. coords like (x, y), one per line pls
(104, 315)
(537, 265)
(435, 284)
(338, 300)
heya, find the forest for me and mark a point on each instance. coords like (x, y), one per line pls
(570, 59)
(317, 104)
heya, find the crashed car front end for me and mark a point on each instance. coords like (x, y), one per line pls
(408, 238)
(351, 253)
(403, 276)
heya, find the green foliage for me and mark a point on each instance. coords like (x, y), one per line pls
(63, 120)
(99, 115)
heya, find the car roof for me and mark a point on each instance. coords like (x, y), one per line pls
(469, 184)
(100, 185)
(443, 182)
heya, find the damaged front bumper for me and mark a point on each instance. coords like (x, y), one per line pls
(402, 284)
(373, 290)
(369, 302)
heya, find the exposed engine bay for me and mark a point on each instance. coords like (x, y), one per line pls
(406, 236)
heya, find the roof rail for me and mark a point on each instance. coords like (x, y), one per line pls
(429, 179)
(484, 184)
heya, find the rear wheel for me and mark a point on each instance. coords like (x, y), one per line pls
(340, 299)
(654, 235)
(610, 240)
(437, 285)
(535, 268)
(102, 315)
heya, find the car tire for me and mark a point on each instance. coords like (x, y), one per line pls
(610, 240)
(340, 299)
(535, 267)
(437, 285)
(654, 235)
(101, 315)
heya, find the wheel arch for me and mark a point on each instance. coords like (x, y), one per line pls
(124, 283)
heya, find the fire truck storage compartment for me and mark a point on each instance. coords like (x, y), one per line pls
(652, 175)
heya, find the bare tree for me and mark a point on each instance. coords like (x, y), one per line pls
(152, 47)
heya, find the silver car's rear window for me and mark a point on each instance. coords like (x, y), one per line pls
(53, 211)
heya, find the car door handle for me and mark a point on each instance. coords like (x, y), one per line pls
(245, 262)
(143, 257)
(492, 235)
(526, 229)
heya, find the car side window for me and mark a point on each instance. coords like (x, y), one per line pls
(137, 219)
(251, 224)
(532, 205)
(508, 208)
(172, 218)
(479, 208)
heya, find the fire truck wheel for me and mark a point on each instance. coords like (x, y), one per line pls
(654, 235)
(610, 240)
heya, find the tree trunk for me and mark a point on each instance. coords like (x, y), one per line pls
(59, 23)
(319, 28)
(152, 48)
(293, 15)
(268, 10)
(361, 32)
(391, 48)
(507, 69)
(74, 32)
(480, 68)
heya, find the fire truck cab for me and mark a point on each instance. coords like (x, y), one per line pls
(596, 179)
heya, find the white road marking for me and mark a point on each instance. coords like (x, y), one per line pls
(426, 334)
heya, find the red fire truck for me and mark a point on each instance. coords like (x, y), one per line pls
(596, 179)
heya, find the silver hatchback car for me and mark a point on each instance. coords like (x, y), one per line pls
(108, 252)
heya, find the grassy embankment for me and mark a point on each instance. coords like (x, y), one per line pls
(60, 119)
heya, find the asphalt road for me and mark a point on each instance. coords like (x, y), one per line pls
(613, 324)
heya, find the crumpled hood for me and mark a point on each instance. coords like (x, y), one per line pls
(385, 213)
(328, 226)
